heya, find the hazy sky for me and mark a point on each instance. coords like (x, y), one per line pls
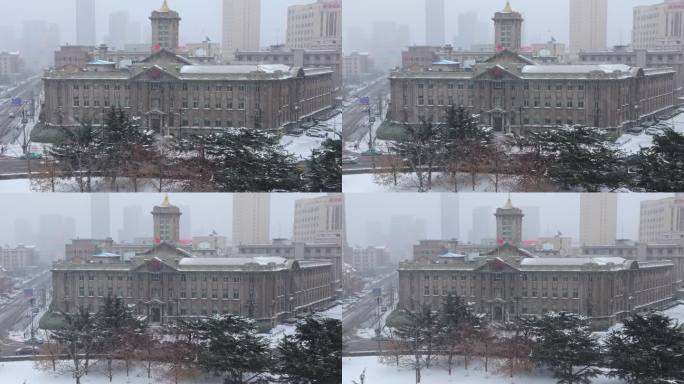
(200, 18)
(208, 211)
(543, 19)
(558, 212)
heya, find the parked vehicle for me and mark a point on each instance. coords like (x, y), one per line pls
(350, 159)
(653, 131)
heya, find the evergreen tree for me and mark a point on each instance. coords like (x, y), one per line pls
(325, 168)
(661, 167)
(247, 160)
(455, 318)
(77, 339)
(421, 146)
(229, 346)
(313, 354)
(649, 349)
(76, 154)
(418, 333)
(565, 345)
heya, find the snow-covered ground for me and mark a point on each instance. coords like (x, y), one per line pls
(632, 144)
(301, 146)
(378, 373)
(25, 372)
(370, 183)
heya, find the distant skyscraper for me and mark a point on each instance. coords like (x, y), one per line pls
(405, 232)
(471, 31)
(508, 25)
(251, 218)
(166, 218)
(387, 41)
(482, 226)
(23, 232)
(40, 41)
(315, 26)
(85, 22)
(598, 218)
(165, 28)
(118, 25)
(186, 222)
(131, 228)
(100, 216)
(662, 220)
(320, 220)
(588, 25)
(532, 228)
(509, 223)
(435, 26)
(450, 216)
(241, 27)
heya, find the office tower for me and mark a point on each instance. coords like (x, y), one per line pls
(165, 28)
(532, 228)
(166, 218)
(100, 216)
(434, 22)
(598, 218)
(482, 226)
(662, 220)
(85, 23)
(450, 216)
(320, 220)
(405, 232)
(508, 29)
(588, 25)
(118, 25)
(40, 40)
(315, 26)
(241, 27)
(131, 228)
(251, 218)
(658, 26)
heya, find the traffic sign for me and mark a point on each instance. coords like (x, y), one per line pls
(377, 292)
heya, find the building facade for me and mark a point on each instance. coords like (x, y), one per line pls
(588, 25)
(166, 219)
(171, 94)
(165, 28)
(320, 219)
(316, 25)
(164, 286)
(658, 25)
(18, 260)
(435, 25)
(598, 218)
(369, 260)
(662, 220)
(85, 23)
(241, 27)
(505, 284)
(251, 218)
(513, 94)
(357, 66)
(10, 65)
(508, 29)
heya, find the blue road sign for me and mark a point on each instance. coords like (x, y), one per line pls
(28, 292)
(17, 102)
(377, 292)
(364, 100)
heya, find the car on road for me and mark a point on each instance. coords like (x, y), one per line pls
(26, 351)
(33, 341)
(295, 132)
(350, 159)
(318, 134)
(12, 115)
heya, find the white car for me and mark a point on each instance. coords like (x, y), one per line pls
(653, 131)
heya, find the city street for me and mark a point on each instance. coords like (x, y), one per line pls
(355, 116)
(15, 315)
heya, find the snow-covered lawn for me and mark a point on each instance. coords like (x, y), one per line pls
(632, 144)
(301, 146)
(378, 373)
(25, 372)
(369, 183)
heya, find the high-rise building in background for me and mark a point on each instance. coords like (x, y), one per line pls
(315, 26)
(405, 232)
(100, 216)
(117, 37)
(532, 228)
(659, 26)
(598, 218)
(388, 39)
(241, 27)
(85, 23)
(588, 25)
(131, 228)
(508, 29)
(251, 218)
(320, 220)
(662, 220)
(40, 39)
(186, 223)
(471, 31)
(482, 225)
(166, 218)
(449, 216)
(165, 28)
(509, 223)
(435, 22)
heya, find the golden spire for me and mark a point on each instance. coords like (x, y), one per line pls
(507, 8)
(166, 202)
(165, 7)
(509, 203)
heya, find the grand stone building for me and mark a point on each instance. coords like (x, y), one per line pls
(513, 94)
(508, 282)
(508, 29)
(164, 284)
(165, 28)
(170, 94)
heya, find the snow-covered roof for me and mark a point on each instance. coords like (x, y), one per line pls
(571, 261)
(100, 62)
(231, 261)
(234, 69)
(107, 254)
(445, 62)
(576, 69)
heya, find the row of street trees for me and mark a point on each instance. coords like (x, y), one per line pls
(227, 346)
(564, 158)
(228, 160)
(649, 349)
